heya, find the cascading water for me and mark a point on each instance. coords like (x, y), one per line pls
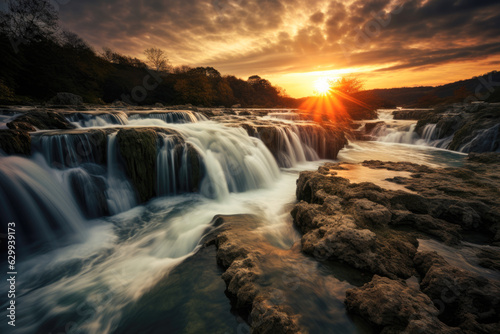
(119, 193)
(233, 161)
(31, 194)
(92, 286)
(177, 117)
(87, 120)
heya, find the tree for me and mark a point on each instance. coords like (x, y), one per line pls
(29, 20)
(157, 59)
(346, 85)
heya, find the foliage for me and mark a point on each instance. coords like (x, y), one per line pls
(47, 61)
(346, 85)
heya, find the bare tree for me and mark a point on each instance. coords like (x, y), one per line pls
(29, 20)
(157, 59)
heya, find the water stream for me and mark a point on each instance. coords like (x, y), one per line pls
(108, 265)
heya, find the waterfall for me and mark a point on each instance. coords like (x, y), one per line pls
(487, 140)
(176, 117)
(431, 137)
(70, 150)
(31, 196)
(401, 135)
(231, 160)
(94, 119)
(120, 194)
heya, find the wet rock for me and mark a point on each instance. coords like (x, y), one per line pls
(15, 142)
(21, 126)
(372, 213)
(486, 158)
(240, 253)
(42, 120)
(412, 114)
(465, 299)
(138, 150)
(395, 308)
(66, 99)
(472, 128)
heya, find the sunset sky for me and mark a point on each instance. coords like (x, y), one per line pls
(388, 43)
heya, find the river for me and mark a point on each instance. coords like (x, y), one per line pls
(135, 270)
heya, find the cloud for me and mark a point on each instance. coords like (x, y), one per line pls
(272, 36)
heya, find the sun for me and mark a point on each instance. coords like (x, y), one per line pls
(322, 86)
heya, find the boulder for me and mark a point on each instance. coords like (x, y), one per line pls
(240, 254)
(138, 149)
(465, 299)
(41, 120)
(68, 99)
(395, 307)
(15, 142)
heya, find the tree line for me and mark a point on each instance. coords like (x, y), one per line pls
(38, 60)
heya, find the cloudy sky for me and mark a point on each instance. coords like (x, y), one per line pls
(293, 43)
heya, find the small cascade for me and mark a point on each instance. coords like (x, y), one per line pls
(487, 140)
(386, 114)
(229, 159)
(32, 197)
(83, 157)
(120, 194)
(401, 134)
(176, 117)
(70, 149)
(87, 120)
(431, 136)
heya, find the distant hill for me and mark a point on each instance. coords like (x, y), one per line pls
(458, 91)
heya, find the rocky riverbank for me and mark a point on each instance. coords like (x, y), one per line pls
(382, 229)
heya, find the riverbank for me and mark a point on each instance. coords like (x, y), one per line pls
(403, 235)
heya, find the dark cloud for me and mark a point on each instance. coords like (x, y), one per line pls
(272, 36)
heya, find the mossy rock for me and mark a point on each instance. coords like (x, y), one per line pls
(15, 142)
(42, 120)
(138, 150)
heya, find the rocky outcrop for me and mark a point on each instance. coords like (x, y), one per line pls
(473, 128)
(41, 120)
(376, 230)
(15, 142)
(138, 149)
(240, 253)
(395, 307)
(66, 99)
(349, 223)
(466, 300)
(412, 114)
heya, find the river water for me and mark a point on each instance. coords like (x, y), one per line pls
(135, 270)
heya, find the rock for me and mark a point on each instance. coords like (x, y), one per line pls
(245, 113)
(119, 104)
(240, 254)
(341, 224)
(411, 114)
(42, 120)
(138, 150)
(465, 299)
(21, 126)
(395, 308)
(473, 128)
(236, 106)
(15, 142)
(159, 105)
(372, 213)
(485, 158)
(66, 99)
